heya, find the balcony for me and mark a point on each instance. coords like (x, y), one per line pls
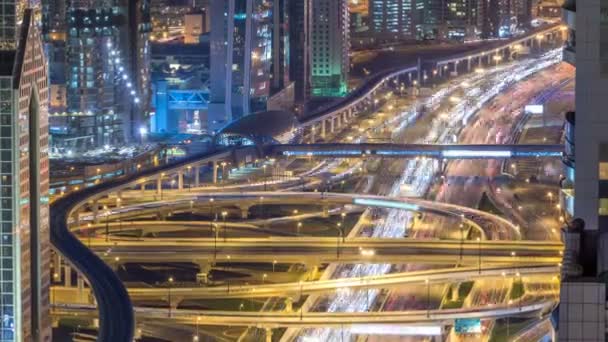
(569, 54)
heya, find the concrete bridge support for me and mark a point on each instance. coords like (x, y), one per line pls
(244, 212)
(288, 304)
(180, 180)
(268, 335)
(159, 186)
(197, 175)
(67, 276)
(323, 129)
(95, 207)
(215, 172)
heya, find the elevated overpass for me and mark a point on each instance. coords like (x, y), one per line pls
(296, 289)
(278, 319)
(453, 151)
(317, 251)
(340, 113)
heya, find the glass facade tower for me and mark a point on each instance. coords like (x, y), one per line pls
(249, 60)
(330, 48)
(24, 211)
(392, 17)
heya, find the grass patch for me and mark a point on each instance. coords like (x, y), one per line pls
(486, 205)
(463, 292)
(465, 288)
(518, 290)
(455, 304)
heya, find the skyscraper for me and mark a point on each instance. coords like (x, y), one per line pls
(300, 36)
(392, 17)
(100, 56)
(584, 193)
(24, 170)
(330, 48)
(249, 63)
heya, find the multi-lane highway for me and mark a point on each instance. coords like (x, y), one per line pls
(385, 243)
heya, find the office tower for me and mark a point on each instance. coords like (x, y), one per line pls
(102, 58)
(428, 17)
(459, 19)
(300, 36)
(249, 44)
(502, 18)
(585, 186)
(136, 46)
(24, 212)
(391, 18)
(330, 48)
(522, 12)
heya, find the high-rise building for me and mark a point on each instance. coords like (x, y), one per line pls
(25, 250)
(392, 18)
(584, 195)
(446, 19)
(101, 56)
(300, 36)
(459, 19)
(330, 48)
(502, 18)
(249, 57)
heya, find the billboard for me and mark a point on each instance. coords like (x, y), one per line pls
(467, 326)
(534, 109)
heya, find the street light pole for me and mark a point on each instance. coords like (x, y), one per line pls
(479, 250)
(224, 213)
(428, 298)
(170, 282)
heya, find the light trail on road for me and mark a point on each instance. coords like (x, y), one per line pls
(418, 176)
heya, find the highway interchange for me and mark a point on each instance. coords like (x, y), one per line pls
(359, 259)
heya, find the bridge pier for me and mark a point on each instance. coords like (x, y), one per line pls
(143, 188)
(56, 267)
(180, 180)
(67, 277)
(312, 133)
(95, 208)
(454, 291)
(332, 127)
(323, 129)
(203, 272)
(469, 64)
(197, 176)
(339, 121)
(288, 304)
(325, 211)
(244, 212)
(215, 172)
(159, 186)
(268, 335)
